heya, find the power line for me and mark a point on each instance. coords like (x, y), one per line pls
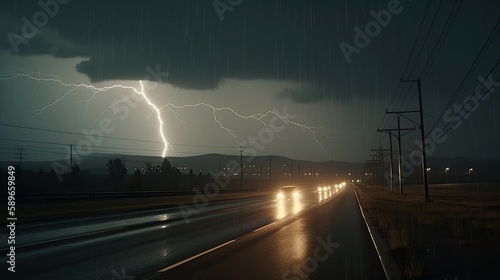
(474, 65)
(412, 50)
(386, 119)
(404, 103)
(75, 133)
(437, 47)
(96, 149)
(441, 38)
(461, 116)
(111, 137)
(426, 38)
(420, 52)
(416, 39)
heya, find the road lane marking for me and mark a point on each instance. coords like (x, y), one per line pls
(261, 228)
(195, 256)
(66, 238)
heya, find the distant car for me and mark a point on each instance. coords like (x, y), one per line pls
(288, 193)
(324, 188)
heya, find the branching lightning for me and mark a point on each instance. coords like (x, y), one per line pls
(315, 131)
(37, 76)
(157, 110)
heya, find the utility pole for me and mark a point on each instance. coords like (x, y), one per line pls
(389, 131)
(20, 157)
(422, 137)
(241, 167)
(380, 163)
(375, 168)
(399, 156)
(391, 168)
(270, 168)
(70, 156)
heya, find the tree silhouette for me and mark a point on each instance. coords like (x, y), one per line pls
(166, 167)
(167, 172)
(117, 172)
(136, 183)
(75, 170)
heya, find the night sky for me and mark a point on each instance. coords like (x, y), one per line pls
(327, 65)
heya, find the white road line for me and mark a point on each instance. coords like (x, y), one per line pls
(66, 238)
(195, 256)
(261, 228)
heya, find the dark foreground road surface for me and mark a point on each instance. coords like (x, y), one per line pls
(327, 241)
(321, 236)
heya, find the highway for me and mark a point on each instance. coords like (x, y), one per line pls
(320, 236)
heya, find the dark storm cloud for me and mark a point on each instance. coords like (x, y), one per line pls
(258, 39)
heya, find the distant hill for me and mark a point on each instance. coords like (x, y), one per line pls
(483, 169)
(96, 164)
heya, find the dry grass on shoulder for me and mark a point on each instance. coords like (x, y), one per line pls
(459, 222)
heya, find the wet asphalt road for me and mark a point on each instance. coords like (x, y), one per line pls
(321, 236)
(327, 241)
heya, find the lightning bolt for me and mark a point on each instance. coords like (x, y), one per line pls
(41, 77)
(259, 117)
(158, 116)
(315, 131)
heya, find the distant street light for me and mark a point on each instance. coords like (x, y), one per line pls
(446, 171)
(470, 170)
(427, 169)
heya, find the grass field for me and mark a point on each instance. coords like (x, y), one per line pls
(455, 235)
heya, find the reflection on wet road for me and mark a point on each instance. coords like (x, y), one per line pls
(145, 242)
(327, 240)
